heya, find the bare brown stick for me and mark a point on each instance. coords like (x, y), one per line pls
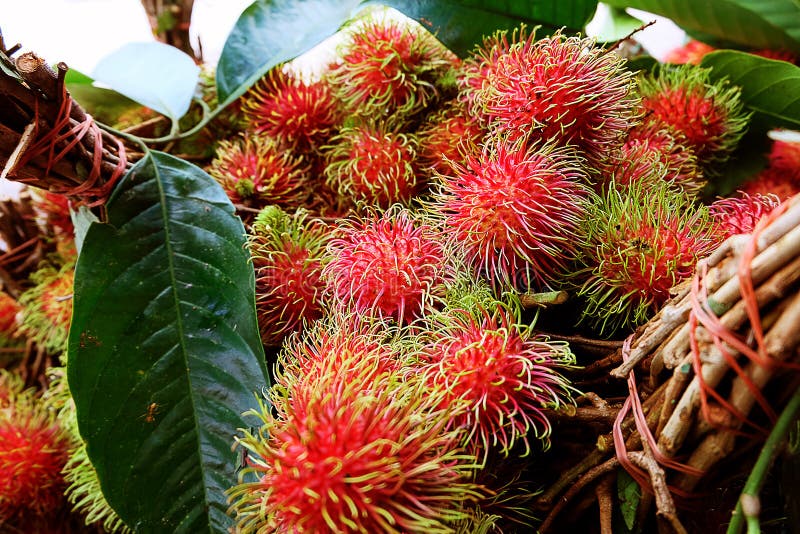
(665, 506)
(605, 503)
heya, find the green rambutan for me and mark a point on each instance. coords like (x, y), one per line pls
(348, 449)
(447, 135)
(388, 266)
(562, 90)
(514, 211)
(298, 114)
(372, 165)
(638, 243)
(740, 214)
(258, 170)
(505, 376)
(389, 69)
(288, 253)
(709, 115)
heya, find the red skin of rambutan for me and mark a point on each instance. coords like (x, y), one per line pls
(371, 166)
(692, 52)
(447, 136)
(387, 68)
(514, 212)
(785, 156)
(387, 267)
(9, 308)
(780, 55)
(479, 66)
(301, 115)
(259, 170)
(55, 209)
(772, 181)
(33, 452)
(506, 379)
(740, 214)
(563, 90)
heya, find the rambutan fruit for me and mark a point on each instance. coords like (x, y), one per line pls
(47, 307)
(505, 376)
(514, 211)
(740, 214)
(354, 451)
(708, 114)
(298, 114)
(691, 52)
(53, 209)
(447, 135)
(259, 170)
(653, 153)
(638, 243)
(33, 451)
(9, 317)
(388, 266)
(287, 254)
(372, 165)
(785, 156)
(562, 90)
(388, 68)
(780, 55)
(781, 177)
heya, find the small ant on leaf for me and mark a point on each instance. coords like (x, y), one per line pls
(152, 411)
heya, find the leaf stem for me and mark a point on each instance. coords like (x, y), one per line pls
(748, 505)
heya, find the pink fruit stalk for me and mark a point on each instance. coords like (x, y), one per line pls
(258, 171)
(708, 114)
(372, 166)
(639, 242)
(298, 114)
(563, 90)
(388, 266)
(514, 211)
(389, 69)
(287, 256)
(505, 377)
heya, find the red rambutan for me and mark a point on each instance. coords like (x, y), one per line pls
(388, 266)
(651, 153)
(638, 243)
(563, 90)
(287, 256)
(54, 211)
(298, 114)
(9, 310)
(709, 115)
(373, 166)
(739, 215)
(388, 68)
(354, 452)
(691, 52)
(33, 451)
(504, 376)
(771, 181)
(447, 136)
(260, 169)
(514, 211)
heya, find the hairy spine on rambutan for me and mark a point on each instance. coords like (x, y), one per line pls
(389, 69)
(47, 306)
(372, 165)
(388, 266)
(503, 374)
(781, 176)
(514, 211)
(638, 242)
(258, 171)
(740, 214)
(562, 90)
(708, 114)
(302, 115)
(288, 253)
(352, 447)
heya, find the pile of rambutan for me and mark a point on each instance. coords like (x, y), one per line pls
(403, 205)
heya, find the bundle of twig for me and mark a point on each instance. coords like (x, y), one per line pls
(47, 139)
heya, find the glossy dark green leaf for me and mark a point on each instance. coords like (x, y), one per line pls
(164, 353)
(770, 88)
(270, 32)
(771, 24)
